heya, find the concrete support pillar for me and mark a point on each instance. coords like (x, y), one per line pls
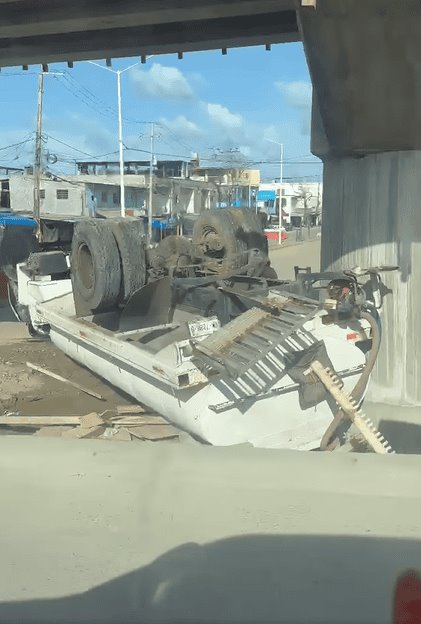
(372, 216)
(364, 63)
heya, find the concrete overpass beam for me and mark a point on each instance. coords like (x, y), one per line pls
(364, 62)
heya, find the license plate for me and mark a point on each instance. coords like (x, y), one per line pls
(204, 328)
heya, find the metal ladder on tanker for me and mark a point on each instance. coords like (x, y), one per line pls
(277, 322)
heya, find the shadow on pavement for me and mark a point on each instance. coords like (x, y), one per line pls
(245, 579)
(405, 437)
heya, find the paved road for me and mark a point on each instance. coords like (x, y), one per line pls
(283, 259)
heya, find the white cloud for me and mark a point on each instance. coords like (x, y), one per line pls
(223, 117)
(183, 126)
(297, 94)
(246, 150)
(162, 82)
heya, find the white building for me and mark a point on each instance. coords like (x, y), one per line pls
(88, 194)
(301, 202)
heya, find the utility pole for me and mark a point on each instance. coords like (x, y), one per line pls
(281, 172)
(150, 207)
(121, 147)
(37, 161)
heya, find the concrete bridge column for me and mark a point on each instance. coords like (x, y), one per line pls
(364, 59)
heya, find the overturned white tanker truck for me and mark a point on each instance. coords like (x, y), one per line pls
(203, 331)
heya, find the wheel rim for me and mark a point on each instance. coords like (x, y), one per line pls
(86, 268)
(209, 236)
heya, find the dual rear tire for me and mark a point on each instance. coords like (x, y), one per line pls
(108, 263)
(108, 257)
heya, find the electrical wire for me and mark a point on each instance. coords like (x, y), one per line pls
(70, 146)
(22, 73)
(16, 144)
(177, 137)
(94, 106)
(89, 95)
(93, 101)
(95, 157)
(135, 149)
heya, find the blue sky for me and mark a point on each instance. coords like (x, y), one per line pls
(206, 103)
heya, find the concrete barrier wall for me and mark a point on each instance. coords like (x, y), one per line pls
(96, 531)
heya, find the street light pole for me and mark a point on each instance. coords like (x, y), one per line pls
(120, 130)
(151, 163)
(281, 181)
(281, 177)
(37, 163)
(120, 146)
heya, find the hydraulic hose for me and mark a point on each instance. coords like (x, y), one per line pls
(327, 442)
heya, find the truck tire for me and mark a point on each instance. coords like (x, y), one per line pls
(250, 229)
(128, 234)
(95, 265)
(215, 239)
(174, 251)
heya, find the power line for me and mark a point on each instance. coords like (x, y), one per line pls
(70, 146)
(97, 107)
(177, 137)
(91, 100)
(135, 149)
(23, 73)
(88, 94)
(17, 144)
(76, 149)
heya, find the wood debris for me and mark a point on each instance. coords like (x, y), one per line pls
(124, 423)
(91, 420)
(49, 373)
(154, 432)
(120, 434)
(38, 421)
(133, 421)
(84, 432)
(129, 409)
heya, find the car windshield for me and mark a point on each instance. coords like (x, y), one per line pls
(209, 380)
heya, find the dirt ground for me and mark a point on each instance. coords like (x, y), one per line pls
(33, 394)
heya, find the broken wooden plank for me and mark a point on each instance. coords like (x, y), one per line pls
(84, 432)
(122, 435)
(154, 433)
(129, 409)
(38, 421)
(91, 420)
(138, 420)
(44, 371)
